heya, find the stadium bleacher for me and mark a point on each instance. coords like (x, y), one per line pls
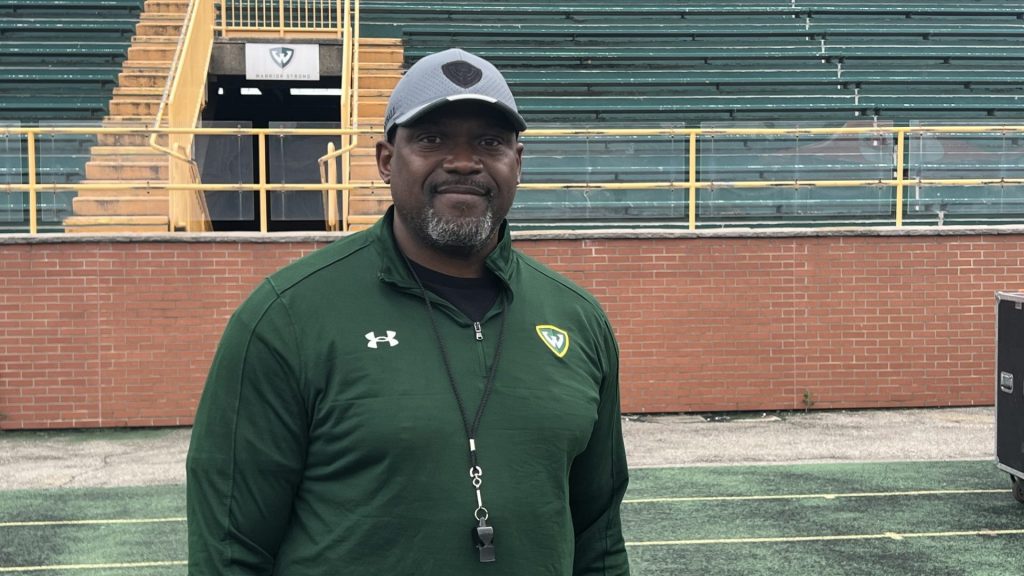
(648, 64)
(59, 63)
(645, 64)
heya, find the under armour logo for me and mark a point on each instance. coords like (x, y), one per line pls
(374, 340)
(282, 55)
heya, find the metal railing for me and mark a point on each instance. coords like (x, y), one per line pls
(183, 99)
(308, 18)
(349, 121)
(693, 184)
(311, 18)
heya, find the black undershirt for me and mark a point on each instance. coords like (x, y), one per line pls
(473, 296)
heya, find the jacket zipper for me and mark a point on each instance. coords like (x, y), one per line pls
(479, 331)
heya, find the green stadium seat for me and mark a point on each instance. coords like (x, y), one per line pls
(65, 8)
(64, 54)
(46, 28)
(53, 106)
(84, 80)
(59, 61)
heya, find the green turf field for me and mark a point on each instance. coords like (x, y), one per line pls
(906, 519)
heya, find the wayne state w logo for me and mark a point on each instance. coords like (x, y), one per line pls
(282, 55)
(555, 338)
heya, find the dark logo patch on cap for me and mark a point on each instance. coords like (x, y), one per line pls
(462, 73)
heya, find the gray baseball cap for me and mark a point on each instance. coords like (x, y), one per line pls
(449, 76)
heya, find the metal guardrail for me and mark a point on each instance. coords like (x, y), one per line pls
(180, 106)
(309, 18)
(693, 184)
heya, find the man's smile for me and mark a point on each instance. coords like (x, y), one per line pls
(469, 190)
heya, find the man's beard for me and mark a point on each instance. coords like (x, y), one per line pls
(458, 235)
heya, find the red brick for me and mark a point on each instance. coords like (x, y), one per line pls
(112, 334)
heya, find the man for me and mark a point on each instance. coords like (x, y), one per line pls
(419, 398)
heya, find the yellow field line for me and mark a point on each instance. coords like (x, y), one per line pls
(105, 522)
(9, 569)
(784, 539)
(812, 496)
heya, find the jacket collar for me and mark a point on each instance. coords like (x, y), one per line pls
(501, 261)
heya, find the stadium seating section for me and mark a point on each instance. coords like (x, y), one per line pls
(752, 64)
(59, 61)
(646, 64)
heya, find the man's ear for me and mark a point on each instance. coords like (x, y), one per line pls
(519, 161)
(385, 152)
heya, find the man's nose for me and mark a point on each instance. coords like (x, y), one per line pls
(462, 159)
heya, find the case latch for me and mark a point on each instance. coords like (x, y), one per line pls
(1006, 382)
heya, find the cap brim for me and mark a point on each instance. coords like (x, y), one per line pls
(411, 116)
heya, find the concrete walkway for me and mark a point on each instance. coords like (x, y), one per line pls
(104, 458)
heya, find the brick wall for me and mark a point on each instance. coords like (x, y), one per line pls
(114, 333)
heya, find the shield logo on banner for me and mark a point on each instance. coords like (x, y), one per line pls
(555, 338)
(282, 56)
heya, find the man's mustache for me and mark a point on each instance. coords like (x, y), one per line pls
(479, 187)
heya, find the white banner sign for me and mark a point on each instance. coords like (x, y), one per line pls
(282, 62)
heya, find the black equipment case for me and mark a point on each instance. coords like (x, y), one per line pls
(1010, 388)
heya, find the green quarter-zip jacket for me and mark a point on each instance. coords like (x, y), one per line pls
(328, 440)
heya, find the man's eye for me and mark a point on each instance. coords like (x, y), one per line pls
(491, 142)
(429, 139)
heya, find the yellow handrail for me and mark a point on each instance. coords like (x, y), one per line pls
(331, 195)
(33, 192)
(349, 112)
(693, 183)
(256, 18)
(692, 206)
(308, 21)
(900, 139)
(262, 147)
(182, 102)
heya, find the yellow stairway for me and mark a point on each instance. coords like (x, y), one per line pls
(127, 160)
(380, 67)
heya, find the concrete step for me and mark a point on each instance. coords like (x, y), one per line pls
(119, 205)
(148, 16)
(116, 224)
(159, 28)
(140, 92)
(366, 93)
(146, 67)
(364, 171)
(128, 139)
(369, 141)
(379, 41)
(142, 189)
(371, 68)
(369, 205)
(374, 55)
(139, 79)
(363, 154)
(379, 82)
(158, 40)
(134, 153)
(372, 108)
(100, 170)
(134, 107)
(128, 121)
(152, 52)
(166, 6)
(358, 222)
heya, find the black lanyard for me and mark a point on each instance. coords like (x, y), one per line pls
(484, 533)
